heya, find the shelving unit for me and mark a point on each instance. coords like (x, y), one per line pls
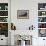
(4, 19)
(42, 19)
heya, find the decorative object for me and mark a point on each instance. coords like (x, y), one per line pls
(31, 27)
(3, 6)
(22, 14)
(6, 7)
(13, 27)
(3, 19)
(43, 25)
(4, 26)
(43, 13)
(42, 32)
(41, 19)
(0, 7)
(3, 13)
(4, 29)
(23, 40)
(41, 6)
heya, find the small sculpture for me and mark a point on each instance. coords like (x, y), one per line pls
(31, 27)
(13, 27)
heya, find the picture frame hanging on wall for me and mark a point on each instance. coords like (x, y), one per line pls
(22, 14)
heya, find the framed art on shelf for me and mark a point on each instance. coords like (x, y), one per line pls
(42, 32)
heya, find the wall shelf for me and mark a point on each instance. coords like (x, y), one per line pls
(41, 22)
(42, 16)
(3, 22)
(3, 10)
(41, 10)
(3, 16)
(41, 28)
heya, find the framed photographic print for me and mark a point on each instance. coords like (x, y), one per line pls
(22, 14)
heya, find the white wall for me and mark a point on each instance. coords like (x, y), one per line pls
(23, 24)
(32, 6)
